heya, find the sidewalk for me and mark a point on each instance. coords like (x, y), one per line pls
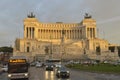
(1, 69)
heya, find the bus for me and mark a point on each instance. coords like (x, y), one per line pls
(56, 62)
(53, 60)
(18, 68)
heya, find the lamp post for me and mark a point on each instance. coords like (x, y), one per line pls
(50, 53)
(62, 44)
(51, 50)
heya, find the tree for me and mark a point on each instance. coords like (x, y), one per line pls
(6, 49)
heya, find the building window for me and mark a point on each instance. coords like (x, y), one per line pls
(28, 49)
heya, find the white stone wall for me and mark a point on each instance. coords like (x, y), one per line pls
(77, 38)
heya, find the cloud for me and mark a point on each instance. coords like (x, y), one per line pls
(109, 20)
(13, 12)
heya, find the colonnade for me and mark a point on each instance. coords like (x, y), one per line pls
(57, 34)
(90, 32)
(29, 32)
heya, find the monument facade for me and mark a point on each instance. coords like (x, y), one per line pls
(73, 40)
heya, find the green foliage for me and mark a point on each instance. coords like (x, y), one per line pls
(106, 68)
(112, 49)
(6, 49)
(119, 47)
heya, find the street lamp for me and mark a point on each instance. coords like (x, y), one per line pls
(62, 44)
(51, 50)
(50, 53)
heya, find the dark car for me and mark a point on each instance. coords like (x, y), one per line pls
(62, 72)
(49, 67)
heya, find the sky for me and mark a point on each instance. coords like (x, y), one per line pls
(13, 12)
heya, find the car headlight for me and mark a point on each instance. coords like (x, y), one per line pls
(58, 71)
(26, 74)
(9, 75)
(68, 72)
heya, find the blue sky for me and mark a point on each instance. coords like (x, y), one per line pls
(13, 12)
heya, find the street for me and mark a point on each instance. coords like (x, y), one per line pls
(41, 74)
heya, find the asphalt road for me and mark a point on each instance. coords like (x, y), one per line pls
(41, 74)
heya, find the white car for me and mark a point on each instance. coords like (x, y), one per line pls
(57, 65)
(4, 68)
(38, 65)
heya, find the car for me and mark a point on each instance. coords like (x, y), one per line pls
(49, 67)
(38, 65)
(57, 65)
(4, 68)
(32, 64)
(62, 72)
